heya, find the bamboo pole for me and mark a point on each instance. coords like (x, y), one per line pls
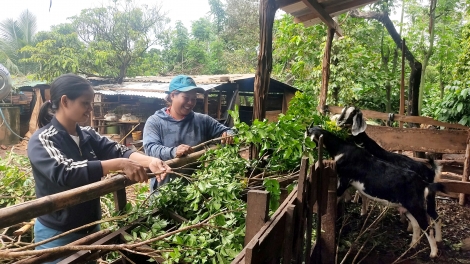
(51, 256)
(25, 211)
(402, 84)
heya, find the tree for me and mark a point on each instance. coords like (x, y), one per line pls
(180, 41)
(218, 14)
(57, 52)
(120, 33)
(241, 34)
(14, 35)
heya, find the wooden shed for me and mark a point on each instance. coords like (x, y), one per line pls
(142, 96)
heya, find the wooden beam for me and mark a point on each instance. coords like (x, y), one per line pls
(335, 9)
(261, 239)
(466, 171)
(328, 238)
(283, 3)
(414, 139)
(257, 213)
(326, 70)
(289, 235)
(206, 103)
(120, 200)
(267, 11)
(368, 114)
(456, 186)
(301, 202)
(323, 15)
(402, 83)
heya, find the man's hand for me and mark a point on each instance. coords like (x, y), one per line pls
(183, 150)
(226, 139)
(160, 169)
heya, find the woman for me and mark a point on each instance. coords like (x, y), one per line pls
(171, 131)
(64, 156)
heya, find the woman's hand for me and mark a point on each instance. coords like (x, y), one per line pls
(182, 150)
(160, 169)
(133, 170)
(226, 139)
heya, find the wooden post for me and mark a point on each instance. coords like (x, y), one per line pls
(289, 235)
(120, 199)
(466, 170)
(299, 231)
(402, 85)
(402, 82)
(206, 102)
(257, 213)
(328, 238)
(267, 10)
(219, 104)
(326, 70)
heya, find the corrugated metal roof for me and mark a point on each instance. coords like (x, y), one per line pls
(199, 79)
(156, 86)
(19, 82)
(133, 93)
(145, 89)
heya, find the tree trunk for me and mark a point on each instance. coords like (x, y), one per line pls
(122, 71)
(441, 81)
(326, 71)
(267, 10)
(427, 53)
(415, 65)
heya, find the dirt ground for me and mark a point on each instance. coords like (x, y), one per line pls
(391, 239)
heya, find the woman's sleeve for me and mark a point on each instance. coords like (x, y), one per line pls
(153, 143)
(47, 157)
(215, 128)
(106, 148)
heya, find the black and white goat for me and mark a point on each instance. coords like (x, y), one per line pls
(351, 117)
(383, 182)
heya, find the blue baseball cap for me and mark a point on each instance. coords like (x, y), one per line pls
(184, 83)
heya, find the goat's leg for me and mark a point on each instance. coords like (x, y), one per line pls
(365, 205)
(438, 229)
(410, 227)
(432, 243)
(435, 220)
(356, 197)
(420, 215)
(416, 229)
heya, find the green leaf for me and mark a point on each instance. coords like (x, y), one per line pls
(459, 107)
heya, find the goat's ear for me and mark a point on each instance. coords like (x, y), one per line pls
(359, 125)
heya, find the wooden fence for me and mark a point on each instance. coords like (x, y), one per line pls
(284, 236)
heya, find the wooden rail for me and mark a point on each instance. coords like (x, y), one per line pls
(368, 114)
(23, 212)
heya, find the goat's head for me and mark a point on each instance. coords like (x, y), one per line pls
(352, 117)
(314, 133)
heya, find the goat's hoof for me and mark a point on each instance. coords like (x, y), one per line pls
(433, 254)
(413, 244)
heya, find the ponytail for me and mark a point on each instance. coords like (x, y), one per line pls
(45, 114)
(70, 85)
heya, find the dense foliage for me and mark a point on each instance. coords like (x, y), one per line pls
(365, 62)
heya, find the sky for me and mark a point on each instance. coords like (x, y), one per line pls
(184, 10)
